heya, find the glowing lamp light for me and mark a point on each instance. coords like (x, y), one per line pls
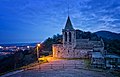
(38, 45)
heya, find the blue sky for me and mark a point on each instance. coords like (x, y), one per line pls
(36, 20)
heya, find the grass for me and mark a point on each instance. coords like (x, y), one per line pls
(87, 63)
(34, 64)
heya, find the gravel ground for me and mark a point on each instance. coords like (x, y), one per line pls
(62, 68)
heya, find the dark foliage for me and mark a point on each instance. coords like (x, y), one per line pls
(16, 60)
(112, 46)
(7, 63)
(111, 40)
(47, 44)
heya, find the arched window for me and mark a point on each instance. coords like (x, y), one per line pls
(58, 51)
(68, 51)
(69, 36)
(66, 36)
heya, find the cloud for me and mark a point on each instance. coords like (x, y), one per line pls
(48, 17)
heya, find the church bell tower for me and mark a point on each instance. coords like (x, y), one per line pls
(69, 34)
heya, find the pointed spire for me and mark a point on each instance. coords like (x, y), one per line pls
(69, 24)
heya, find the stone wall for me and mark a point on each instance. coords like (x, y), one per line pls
(60, 52)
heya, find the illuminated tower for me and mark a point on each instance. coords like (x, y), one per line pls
(69, 34)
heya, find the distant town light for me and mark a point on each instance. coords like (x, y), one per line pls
(18, 48)
(1, 47)
(28, 47)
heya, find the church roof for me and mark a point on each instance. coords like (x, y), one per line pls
(69, 24)
(85, 46)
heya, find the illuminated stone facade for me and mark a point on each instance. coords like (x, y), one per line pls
(75, 48)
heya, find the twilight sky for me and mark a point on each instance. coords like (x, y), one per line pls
(35, 20)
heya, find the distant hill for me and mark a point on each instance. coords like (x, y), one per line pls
(108, 35)
(86, 35)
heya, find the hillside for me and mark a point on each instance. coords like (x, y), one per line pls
(108, 35)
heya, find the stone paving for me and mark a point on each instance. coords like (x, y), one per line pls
(62, 68)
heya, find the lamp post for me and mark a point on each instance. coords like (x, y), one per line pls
(38, 46)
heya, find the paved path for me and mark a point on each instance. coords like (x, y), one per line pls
(59, 71)
(60, 64)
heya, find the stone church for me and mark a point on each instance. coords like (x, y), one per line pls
(75, 48)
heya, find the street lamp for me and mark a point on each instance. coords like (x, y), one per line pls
(38, 46)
